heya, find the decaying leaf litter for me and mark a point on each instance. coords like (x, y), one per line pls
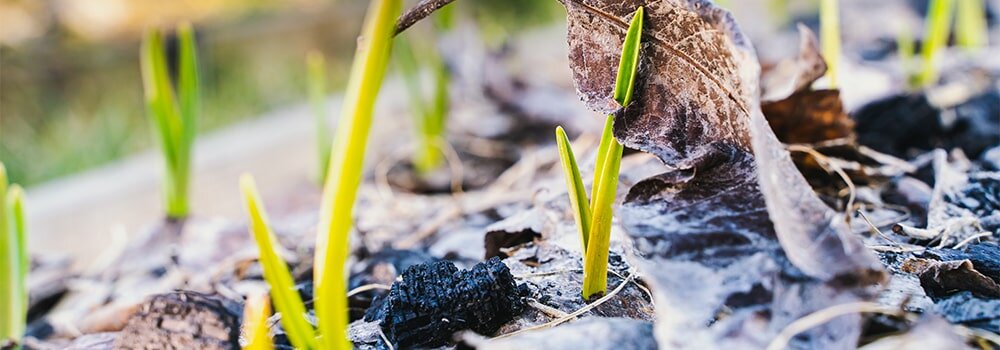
(756, 215)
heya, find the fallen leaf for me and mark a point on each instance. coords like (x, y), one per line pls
(793, 75)
(809, 116)
(732, 238)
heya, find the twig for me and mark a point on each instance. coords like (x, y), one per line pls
(545, 309)
(367, 287)
(420, 11)
(828, 165)
(875, 229)
(574, 314)
(972, 238)
(825, 315)
(384, 339)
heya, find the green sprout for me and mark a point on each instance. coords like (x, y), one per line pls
(286, 298)
(593, 219)
(906, 50)
(938, 26)
(174, 118)
(344, 175)
(430, 116)
(255, 314)
(13, 261)
(316, 66)
(829, 18)
(971, 30)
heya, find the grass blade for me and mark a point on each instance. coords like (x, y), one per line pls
(188, 88)
(255, 314)
(829, 13)
(574, 184)
(8, 268)
(607, 136)
(625, 80)
(344, 175)
(286, 298)
(971, 30)
(936, 38)
(316, 66)
(595, 270)
(15, 203)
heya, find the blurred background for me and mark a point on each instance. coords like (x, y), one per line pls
(70, 88)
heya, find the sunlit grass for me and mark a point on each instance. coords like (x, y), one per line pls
(286, 298)
(344, 175)
(594, 218)
(971, 30)
(13, 261)
(430, 113)
(938, 26)
(174, 114)
(829, 14)
(317, 76)
(255, 314)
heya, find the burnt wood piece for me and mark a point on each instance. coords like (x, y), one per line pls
(433, 301)
(183, 320)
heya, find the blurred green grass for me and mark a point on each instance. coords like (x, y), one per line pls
(68, 104)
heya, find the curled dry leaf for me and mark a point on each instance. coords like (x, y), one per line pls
(733, 236)
(796, 113)
(793, 75)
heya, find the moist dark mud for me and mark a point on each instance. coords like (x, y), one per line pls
(908, 124)
(433, 301)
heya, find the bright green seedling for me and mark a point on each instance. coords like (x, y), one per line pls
(430, 116)
(593, 218)
(938, 27)
(906, 50)
(255, 314)
(344, 175)
(174, 118)
(286, 298)
(13, 262)
(316, 66)
(971, 30)
(829, 13)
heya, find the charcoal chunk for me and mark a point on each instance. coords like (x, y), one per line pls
(183, 320)
(967, 309)
(435, 300)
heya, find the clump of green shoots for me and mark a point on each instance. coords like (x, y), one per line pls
(829, 18)
(174, 114)
(339, 193)
(593, 218)
(13, 262)
(316, 66)
(971, 30)
(344, 175)
(255, 314)
(286, 299)
(938, 28)
(430, 116)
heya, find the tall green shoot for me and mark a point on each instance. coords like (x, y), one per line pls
(174, 114)
(430, 116)
(938, 28)
(286, 298)
(344, 175)
(13, 261)
(316, 66)
(594, 218)
(829, 18)
(255, 314)
(971, 30)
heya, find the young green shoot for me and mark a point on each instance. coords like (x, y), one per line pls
(344, 175)
(13, 262)
(174, 117)
(316, 66)
(594, 218)
(938, 26)
(430, 116)
(829, 14)
(286, 298)
(905, 49)
(255, 314)
(971, 30)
